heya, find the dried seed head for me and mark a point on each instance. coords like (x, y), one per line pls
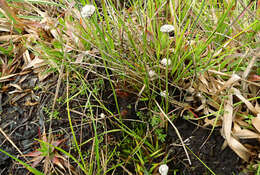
(166, 61)
(167, 28)
(87, 11)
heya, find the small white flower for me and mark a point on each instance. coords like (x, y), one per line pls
(87, 11)
(192, 42)
(151, 73)
(166, 61)
(163, 93)
(102, 115)
(163, 169)
(76, 39)
(167, 28)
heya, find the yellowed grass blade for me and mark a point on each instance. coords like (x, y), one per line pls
(244, 133)
(247, 71)
(228, 118)
(234, 144)
(257, 107)
(35, 63)
(234, 78)
(9, 38)
(243, 99)
(9, 13)
(239, 149)
(7, 78)
(4, 25)
(256, 122)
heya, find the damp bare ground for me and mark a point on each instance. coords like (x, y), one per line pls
(22, 124)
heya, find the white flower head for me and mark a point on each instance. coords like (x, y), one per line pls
(87, 11)
(163, 93)
(151, 73)
(192, 42)
(166, 61)
(167, 28)
(102, 115)
(163, 169)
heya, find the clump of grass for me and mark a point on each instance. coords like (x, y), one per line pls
(127, 48)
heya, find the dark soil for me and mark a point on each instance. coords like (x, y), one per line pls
(24, 123)
(221, 162)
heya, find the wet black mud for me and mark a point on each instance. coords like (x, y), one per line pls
(205, 147)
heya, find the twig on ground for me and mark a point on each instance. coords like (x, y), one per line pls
(12, 143)
(247, 71)
(176, 130)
